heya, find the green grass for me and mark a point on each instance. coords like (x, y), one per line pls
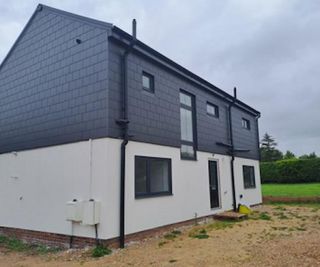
(264, 216)
(172, 235)
(14, 244)
(291, 190)
(218, 225)
(199, 233)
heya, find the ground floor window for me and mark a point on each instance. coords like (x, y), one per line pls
(248, 177)
(152, 176)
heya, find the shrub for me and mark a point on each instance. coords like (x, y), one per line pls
(100, 251)
(291, 171)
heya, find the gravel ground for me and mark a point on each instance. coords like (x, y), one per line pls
(273, 236)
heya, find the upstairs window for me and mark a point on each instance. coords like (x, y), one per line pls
(187, 123)
(152, 176)
(147, 82)
(248, 177)
(245, 124)
(212, 110)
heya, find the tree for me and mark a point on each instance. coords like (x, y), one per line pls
(268, 149)
(310, 156)
(289, 155)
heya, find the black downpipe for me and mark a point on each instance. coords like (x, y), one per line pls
(232, 150)
(71, 241)
(258, 138)
(96, 232)
(123, 122)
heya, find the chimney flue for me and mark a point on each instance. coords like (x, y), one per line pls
(134, 29)
(235, 92)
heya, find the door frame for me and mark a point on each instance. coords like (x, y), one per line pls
(218, 183)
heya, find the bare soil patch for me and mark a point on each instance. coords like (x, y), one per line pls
(282, 199)
(272, 236)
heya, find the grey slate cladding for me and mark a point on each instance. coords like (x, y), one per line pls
(155, 118)
(54, 91)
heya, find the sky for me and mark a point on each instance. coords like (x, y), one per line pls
(269, 50)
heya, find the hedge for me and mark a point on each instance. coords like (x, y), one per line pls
(291, 171)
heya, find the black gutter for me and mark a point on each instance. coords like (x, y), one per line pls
(232, 150)
(123, 123)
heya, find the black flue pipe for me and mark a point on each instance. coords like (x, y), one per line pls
(232, 151)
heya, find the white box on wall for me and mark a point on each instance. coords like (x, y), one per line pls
(91, 212)
(74, 211)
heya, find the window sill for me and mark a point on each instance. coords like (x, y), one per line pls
(142, 196)
(215, 208)
(150, 91)
(213, 116)
(189, 158)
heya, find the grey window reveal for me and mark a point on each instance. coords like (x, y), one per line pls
(245, 124)
(212, 110)
(148, 82)
(187, 125)
(152, 176)
(249, 177)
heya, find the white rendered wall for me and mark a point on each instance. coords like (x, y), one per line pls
(251, 196)
(36, 184)
(190, 187)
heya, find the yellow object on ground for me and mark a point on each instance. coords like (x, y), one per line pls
(244, 209)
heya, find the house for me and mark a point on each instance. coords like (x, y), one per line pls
(103, 137)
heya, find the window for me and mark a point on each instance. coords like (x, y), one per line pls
(248, 177)
(147, 82)
(152, 176)
(187, 123)
(212, 110)
(245, 124)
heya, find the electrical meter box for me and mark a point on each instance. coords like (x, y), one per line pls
(74, 210)
(91, 212)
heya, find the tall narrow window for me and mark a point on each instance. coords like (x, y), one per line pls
(187, 123)
(248, 177)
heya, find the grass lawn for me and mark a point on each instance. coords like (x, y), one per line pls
(291, 190)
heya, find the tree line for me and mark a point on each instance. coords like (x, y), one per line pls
(269, 151)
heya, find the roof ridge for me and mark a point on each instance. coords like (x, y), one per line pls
(75, 16)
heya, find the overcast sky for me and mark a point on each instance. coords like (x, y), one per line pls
(269, 49)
